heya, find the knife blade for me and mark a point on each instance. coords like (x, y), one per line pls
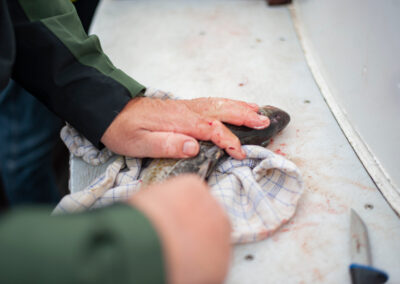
(361, 269)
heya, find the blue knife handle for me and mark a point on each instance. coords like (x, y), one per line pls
(363, 274)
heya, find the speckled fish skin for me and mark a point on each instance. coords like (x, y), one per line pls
(209, 154)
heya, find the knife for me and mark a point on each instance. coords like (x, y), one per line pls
(361, 269)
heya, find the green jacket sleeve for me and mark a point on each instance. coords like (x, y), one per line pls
(65, 68)
(112, 245)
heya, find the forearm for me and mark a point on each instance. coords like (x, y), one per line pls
(114, 245)
(65, 69)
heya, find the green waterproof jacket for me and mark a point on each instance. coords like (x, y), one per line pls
(113, 245)
(44, 48)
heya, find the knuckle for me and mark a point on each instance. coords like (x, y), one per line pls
(252, 115)
(218, 104)
(218, 133)
(168, 148)
(236, 140)
(218, 127)
(203, 130)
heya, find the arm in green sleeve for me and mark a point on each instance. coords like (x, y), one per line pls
(112, 245)
(65, 68)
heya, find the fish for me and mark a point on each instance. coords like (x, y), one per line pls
(209, 154)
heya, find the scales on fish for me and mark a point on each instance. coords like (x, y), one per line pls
(209, 154)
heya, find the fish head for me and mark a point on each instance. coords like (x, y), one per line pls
(279, 119)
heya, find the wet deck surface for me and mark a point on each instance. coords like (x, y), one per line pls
(246, 50)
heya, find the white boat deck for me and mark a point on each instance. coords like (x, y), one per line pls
(246, 50)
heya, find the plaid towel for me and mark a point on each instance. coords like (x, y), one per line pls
(259, 193)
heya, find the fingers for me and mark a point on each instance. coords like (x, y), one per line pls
(164, 145)
(177, 145)
(221, 136)
(230, 111)
(178, 118)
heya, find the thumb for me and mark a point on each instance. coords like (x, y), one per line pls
(166, 145)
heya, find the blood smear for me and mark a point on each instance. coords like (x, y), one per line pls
(278, 151)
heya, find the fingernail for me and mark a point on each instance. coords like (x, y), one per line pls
(189, 148)
(253, 105)
(260, 127)
(263, 118)
(261, 123)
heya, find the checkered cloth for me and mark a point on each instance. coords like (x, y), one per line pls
(259, 193)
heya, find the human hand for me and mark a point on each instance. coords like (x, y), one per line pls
(155, 128)
(193, 228)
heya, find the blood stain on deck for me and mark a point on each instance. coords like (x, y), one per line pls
(358, 184)
(278, 151)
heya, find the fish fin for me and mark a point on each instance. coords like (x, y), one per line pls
(204, 170)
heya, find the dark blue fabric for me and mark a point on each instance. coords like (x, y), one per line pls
(28, 132)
